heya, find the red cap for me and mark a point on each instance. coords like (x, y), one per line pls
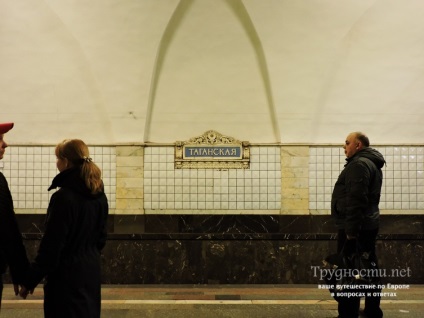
(5, 127)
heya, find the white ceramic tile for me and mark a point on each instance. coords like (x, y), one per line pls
(224, 197)
(404, 174)
(193, 205)
(209, 205)
(320, 166)
(320, 205)
(254, 166)
(186, 197)
(209, 174)
(263, 166)
(405, 197)
(232, 182)
(263, 190)
(240, 183)
(389, 205)
(328, 182)
(232, 205)
(201, 174)
(397, 205)
(225, 182)
(178, 173)
(162, 150)
(412, 174)
(170, 151)
(193, 174)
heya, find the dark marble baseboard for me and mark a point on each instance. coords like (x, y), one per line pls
(238, 249)
(233, 224)
(235, 236)
(240, 261)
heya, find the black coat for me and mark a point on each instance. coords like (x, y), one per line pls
(356, 194)
(12, 250)
(69, 252)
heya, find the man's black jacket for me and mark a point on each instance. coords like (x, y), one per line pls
(356, 194)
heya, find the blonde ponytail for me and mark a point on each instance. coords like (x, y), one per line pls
(76, 152)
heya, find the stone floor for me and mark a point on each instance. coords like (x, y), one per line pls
(214, 301)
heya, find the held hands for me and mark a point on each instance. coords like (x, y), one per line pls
(23, 291)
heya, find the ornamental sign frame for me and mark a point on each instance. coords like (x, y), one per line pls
(212, 150)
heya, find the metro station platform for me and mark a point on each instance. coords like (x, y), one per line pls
(215, 301)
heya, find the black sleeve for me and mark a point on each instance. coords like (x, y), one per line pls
(59, 220)
(11, 244)
(357, 193)
(103, 225)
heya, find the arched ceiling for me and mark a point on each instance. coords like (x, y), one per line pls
(266, 71)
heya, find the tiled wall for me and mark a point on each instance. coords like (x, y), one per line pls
(403, 183)
(30, 170)
(281, 180)
(257, 188)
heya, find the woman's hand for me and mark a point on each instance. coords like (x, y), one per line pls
(23, 292)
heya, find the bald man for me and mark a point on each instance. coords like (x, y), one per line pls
(354, 206)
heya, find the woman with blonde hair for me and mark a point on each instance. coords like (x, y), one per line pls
(69, 253)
